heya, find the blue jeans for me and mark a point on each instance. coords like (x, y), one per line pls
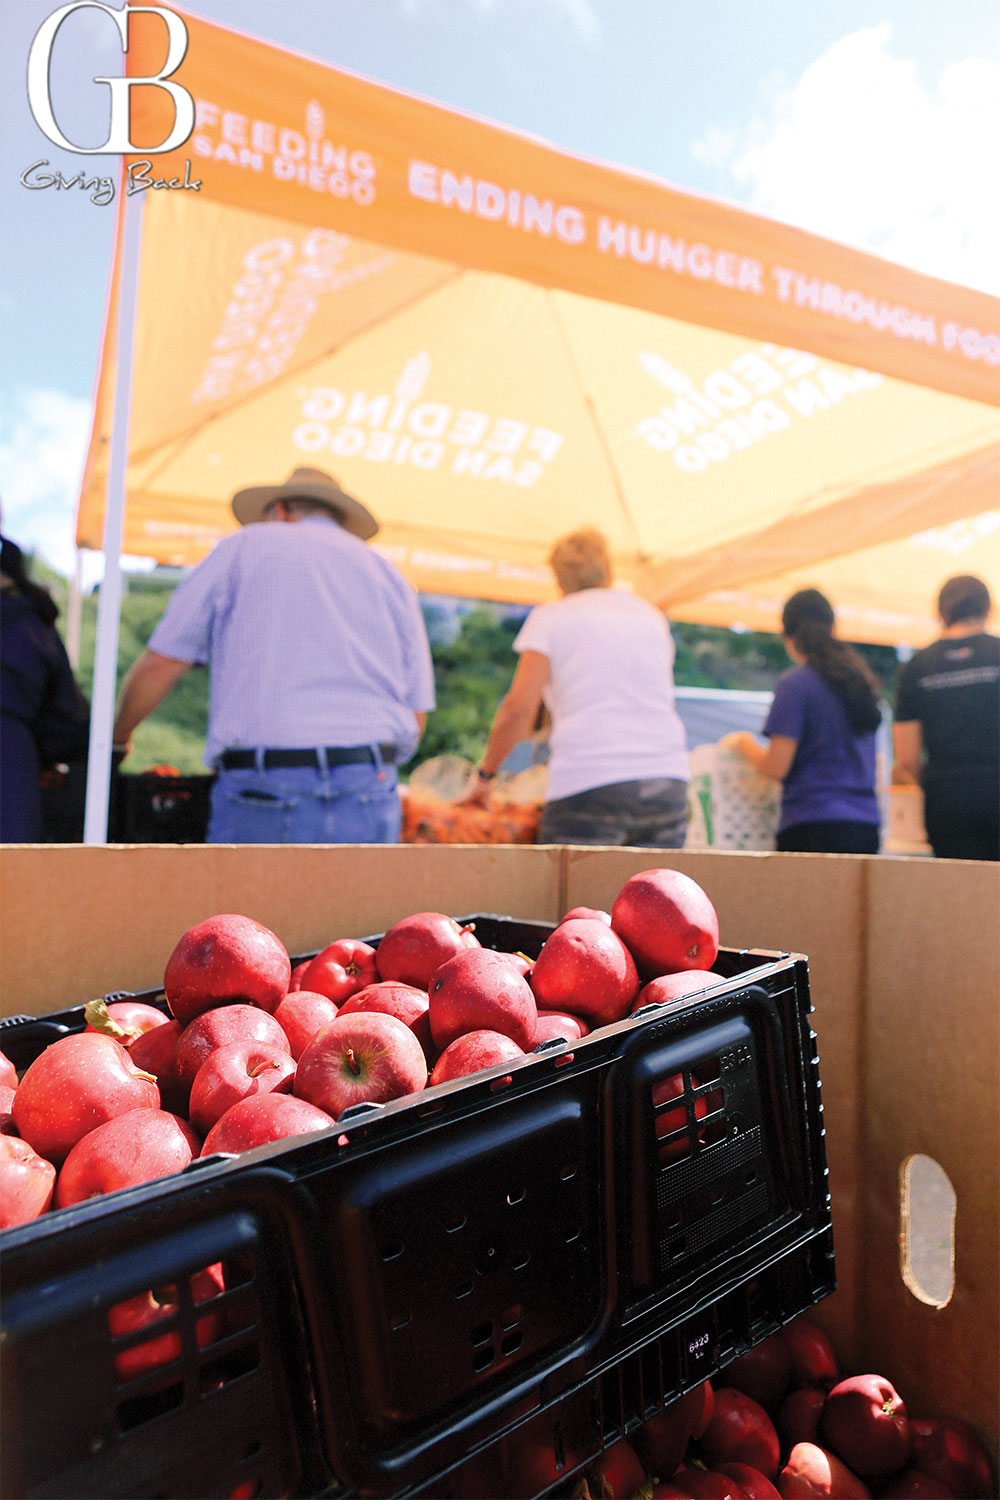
(352, 804)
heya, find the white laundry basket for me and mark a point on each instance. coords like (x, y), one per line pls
(730, 805)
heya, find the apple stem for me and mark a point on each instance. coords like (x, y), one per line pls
(272, 1062)
(353, 1063)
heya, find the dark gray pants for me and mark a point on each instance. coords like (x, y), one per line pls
(647, 813)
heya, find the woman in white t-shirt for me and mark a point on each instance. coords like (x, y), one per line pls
(601, 660)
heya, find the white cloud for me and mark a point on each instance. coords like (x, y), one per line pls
(860, 150)
(42, 449)
(43, 444)
(582, 18)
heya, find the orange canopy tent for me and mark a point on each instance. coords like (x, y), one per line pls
(493, 341)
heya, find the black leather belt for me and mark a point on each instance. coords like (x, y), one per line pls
(341, 755)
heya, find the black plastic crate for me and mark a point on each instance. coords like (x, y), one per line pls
(445, 1274)
(152, 809)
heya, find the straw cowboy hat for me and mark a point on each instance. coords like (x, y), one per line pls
(309, 484)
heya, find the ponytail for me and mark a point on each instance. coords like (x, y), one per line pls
(807, 620)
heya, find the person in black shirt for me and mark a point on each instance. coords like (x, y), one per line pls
(44, 717)
(946, 735)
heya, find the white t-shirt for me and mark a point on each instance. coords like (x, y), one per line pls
(610, 691)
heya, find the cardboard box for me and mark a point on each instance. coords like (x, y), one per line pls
(904, 964)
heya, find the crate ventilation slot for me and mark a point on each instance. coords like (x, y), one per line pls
(177, 1342)
(688, 1112)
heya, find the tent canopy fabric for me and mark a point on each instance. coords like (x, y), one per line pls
(492, 342)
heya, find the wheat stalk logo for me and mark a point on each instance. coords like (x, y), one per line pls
(315, 120)
(414, 377)
(663, 371)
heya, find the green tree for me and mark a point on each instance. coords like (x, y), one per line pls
(173, 735)
(471, 675)
(472, 672)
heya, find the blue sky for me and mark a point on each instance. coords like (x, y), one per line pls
(874, 122)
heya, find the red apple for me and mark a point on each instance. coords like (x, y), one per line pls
(341, 969)
(522, 963)
(236, 1071)
(812, 1473)
(26, 1182)
(300, 1015)
(479, 990)
(215, 1028)
(616, 1473)
(590, 913)
(671, 1146)
(77, 1083)
(661, 1441)
(741, 1432)
(7, 1126)
(388, 997)
(813, 1359)
(913, 1485)
(864, 1422)
(699, 1484)
(948, 1450)
(559, 1023)
(699, 1404)
(798, 1416)
(667, 922)
(754, 1484)
(226, 959)
(149, 1308)
(416, 946)
(155, 1051)
(122, 1019)
(8, 1072)
(364, 1058)
(263, 1118)
(132, 1148)
(473, 1051)
(585, 967)
(295, 978)
(666, 987)
(763, 1372)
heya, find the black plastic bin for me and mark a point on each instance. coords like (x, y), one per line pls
(152, 809)
(418, 1299)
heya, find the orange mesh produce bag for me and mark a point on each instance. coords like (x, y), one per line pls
(429, 820)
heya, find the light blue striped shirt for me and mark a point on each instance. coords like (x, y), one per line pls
(313, 638)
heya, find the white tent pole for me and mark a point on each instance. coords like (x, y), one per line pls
(73, 612)
(95, 820)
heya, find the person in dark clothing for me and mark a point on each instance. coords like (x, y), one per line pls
(821, 728)
(946, 735)
(44, 718)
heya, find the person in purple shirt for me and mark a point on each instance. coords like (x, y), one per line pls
(320, 669)
(821, 727)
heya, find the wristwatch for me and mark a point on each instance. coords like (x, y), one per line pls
(485, 775)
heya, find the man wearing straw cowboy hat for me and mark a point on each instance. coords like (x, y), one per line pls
(321, 673)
